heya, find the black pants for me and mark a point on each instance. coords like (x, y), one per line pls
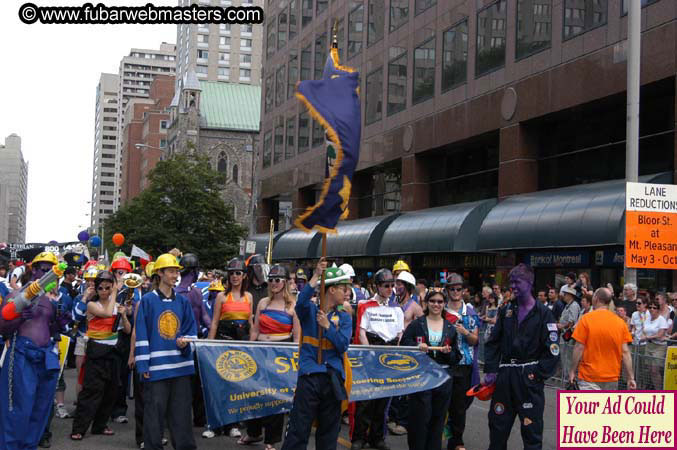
(399, 410)
(458, 404)
(314, 399)
(199, 415)
(517, 392)
(99, 391)
(273, 426)
(370, 421)
(138, 408)
(426, 417)
(120, 407)
(167, 401)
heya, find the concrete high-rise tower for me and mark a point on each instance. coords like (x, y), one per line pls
(13, 191)
(104, 192)
(220, 52)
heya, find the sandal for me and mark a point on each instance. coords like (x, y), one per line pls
(248, 440)
(269, 447)
(106, 432)
(76, 436)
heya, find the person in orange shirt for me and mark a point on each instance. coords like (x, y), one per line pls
(602, 340)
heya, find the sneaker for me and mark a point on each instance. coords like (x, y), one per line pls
(357, 445)
(397, 430)
(62, 412)
(164, 441)
(121, 419)
(208, 433)
(381, 446)
(235, 433)
(141, 446)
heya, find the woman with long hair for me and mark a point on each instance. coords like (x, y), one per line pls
(427, 410)
(655, 328)
(232, 318)
(102, 364)
(489, 314)
(275, 321)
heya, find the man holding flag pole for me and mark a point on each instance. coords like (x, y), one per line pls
(324, 371)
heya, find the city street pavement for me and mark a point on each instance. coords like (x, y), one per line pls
(476, 434)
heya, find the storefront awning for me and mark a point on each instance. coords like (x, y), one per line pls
(450, 228)
(360, 237)
(296, 244)
(262, 241)
(577, 216)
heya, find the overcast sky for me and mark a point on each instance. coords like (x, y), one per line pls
(49, 75)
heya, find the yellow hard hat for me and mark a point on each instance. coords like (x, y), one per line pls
(166, 261)
(401, 265)
(101, 267)
(150, 269)
(91, 273)
(47, 257)
(216, 285)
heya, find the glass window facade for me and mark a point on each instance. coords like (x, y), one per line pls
(270, 40)
(280, 85)
(583, 15)
(270, 92)
(267, 148)
(397, 80)
(293, 15)
(534, 26)
(455, 56)
(304, 132)
(320, 55)
(306, 63)
(282, 29)
(318, 134)
(424, 71)
(306, 12)
(355, 26)
(374, 99)
(491, 29)
(321, 6)
(376, 13)
(279, 144)
(290, 148)
(292, 73)
(422, 5)
(399, 13)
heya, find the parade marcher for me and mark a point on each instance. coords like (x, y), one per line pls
(102, 364)
(80, 321)
(405, 287)
(275, 321)
(257, 274)
(521, 353)
(31, 367)
(212, 291)
(189, 275)
(380, 324)
(64, 302)
(233, 315)
(163, 356)
(320, 387)
(126, 297)
(466, 322)
(426, 409)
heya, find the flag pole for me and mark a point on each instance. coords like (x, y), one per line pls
(269, 253)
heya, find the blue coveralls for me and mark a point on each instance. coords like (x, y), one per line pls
(319, 389)
(34, 377)
(524, 355)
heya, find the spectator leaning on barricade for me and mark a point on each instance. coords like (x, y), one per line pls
(555, 303)
(602, 340)
(655, 331)
(426, 409)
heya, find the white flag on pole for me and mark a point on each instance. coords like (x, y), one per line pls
(136, 251)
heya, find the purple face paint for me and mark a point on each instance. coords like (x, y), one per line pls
(521, 288)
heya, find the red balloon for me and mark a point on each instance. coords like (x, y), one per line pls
(118, 239)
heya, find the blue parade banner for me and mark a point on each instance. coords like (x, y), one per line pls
(243, 381)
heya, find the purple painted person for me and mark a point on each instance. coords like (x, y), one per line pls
(521, 353)
(31, 367)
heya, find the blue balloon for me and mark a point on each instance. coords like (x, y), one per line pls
(95, 241)
(83, 236)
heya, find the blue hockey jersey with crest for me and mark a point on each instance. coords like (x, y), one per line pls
(159, 322)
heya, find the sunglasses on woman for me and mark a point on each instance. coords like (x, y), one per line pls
(237, 273)
(436, 302)
(654, 307)
(276, 280)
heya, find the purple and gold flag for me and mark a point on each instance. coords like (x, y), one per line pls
(334, 102)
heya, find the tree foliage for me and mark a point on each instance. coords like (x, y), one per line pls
(182, 207)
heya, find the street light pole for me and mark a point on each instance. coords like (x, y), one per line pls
(632, 112)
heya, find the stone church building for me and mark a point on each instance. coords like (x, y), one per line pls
(222, 121)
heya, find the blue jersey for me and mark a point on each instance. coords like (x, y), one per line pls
(65, 301)
(335, 340)
(159, 322)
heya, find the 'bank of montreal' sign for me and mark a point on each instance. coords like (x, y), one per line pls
(558, 259)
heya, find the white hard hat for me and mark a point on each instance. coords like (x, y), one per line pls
(406, 277)
(348, 270)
